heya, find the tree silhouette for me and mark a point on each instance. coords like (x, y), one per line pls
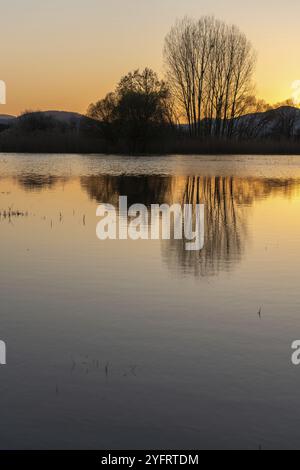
(136, 112)
(209, 68)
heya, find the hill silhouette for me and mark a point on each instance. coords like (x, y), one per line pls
(275, 131)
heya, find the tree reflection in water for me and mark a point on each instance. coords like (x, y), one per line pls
(227, 201)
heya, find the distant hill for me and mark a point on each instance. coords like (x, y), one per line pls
(62, 117)
(283, 121)
(6, 119)
(273, 132)
(50, 132)
(280, 122)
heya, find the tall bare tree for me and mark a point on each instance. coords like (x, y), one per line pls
(209, 67)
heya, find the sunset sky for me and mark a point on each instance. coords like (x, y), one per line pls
(64, 54)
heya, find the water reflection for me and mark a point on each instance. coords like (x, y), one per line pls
(225, 227)
(96, 329)
(35, 182)
(227, 201)
(139, 189)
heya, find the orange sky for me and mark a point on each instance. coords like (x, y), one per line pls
(64, 54)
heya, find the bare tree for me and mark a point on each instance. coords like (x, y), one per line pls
(209, 67)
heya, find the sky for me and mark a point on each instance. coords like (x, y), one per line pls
(65, 54)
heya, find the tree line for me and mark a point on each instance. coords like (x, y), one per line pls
(209, 82)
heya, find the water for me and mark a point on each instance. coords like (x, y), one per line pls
(140, 344)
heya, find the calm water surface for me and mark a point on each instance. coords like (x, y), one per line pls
(124, 344)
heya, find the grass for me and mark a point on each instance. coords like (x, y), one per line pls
(76, 142)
